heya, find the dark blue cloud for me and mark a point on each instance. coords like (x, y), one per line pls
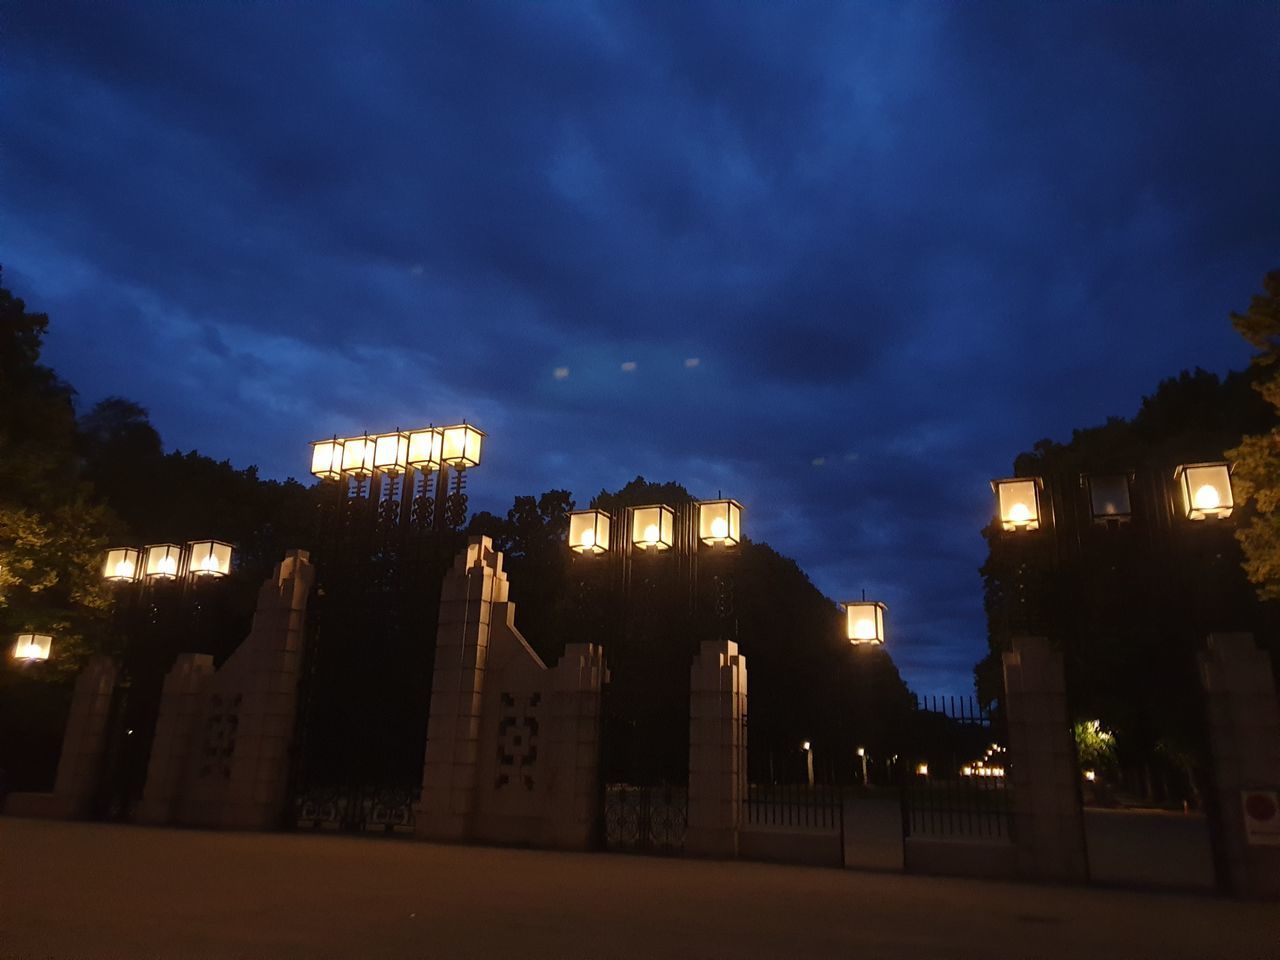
(901, 242)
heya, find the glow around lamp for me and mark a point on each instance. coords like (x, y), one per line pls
(163, 561)
(208, 558)
(123, 565)
(864, 621)
(32, 647)
(1206, 490)
(589, 531)
(653, 527)
(720, 522)
(1018, 502)
(460, 448)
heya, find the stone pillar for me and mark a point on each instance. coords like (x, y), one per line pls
(1244, 735)
(182, 712)
(1048, 818)
(85, 741)
(574, 746)
(717, 749)
(467, 596)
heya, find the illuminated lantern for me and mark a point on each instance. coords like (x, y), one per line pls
(357, 456)
(425, 448)
(326, 459)
(461, 447)
(1206, 490)
(163, 561)
(1109, 498)
(589, 531)
(208, 558)
(32, 647)
(720, 522)
(391, 453)
(123, 565)
(1018, 501)
(653, 528)
(864, 621)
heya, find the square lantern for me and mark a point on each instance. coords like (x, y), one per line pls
(391, 454)
(1109, 497)
(653, 528)
(589, 531)
(32, 646)
(123, 565)
(326, 459)
(720, 522)
(1206, 490)
(1018, 500)
(425, 449)
(864, 621)
(357, 456)
(461, 446)
(163, 561)
(208, 558)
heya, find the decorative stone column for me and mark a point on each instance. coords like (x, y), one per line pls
(1244, 735)
(85, 741)
(1048, 816)
(182, 713)
(717, 749)
(467, 596)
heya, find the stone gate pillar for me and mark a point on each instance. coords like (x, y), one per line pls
(182, 712)
(84, 743)
(1048, 817)
(1244, 736)
(717, 749)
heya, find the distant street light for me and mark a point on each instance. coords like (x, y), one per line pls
(32, 647)
(199, 559)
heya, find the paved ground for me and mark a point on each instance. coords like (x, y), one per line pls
(84, 890)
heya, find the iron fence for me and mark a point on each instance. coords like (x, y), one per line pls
(816, 807)
(645, 819)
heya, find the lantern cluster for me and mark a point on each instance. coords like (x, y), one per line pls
(652, 527)
(397, 453)
(1204, 493)
(199, 559)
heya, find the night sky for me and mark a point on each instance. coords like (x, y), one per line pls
(840, 261)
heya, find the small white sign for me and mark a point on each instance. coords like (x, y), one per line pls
(1261, 816)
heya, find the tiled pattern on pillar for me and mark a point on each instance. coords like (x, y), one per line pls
(182, 708)
(717, 749)
(1244, 733)
(511, 746)
(85, 738)
(1048, 816)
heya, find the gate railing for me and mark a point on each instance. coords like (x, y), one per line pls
(802, 806)
(954, 772)
(645, 819)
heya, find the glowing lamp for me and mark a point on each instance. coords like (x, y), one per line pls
(32, 647)
(1206, 490)
(922, 769)
(326, 459)
(357, 456)
(805, 746)
(163, 561)
(460, 448)
(391, 453)
(652, 527)
(1018, 501)
(720, 522)
(1109, 498)
(425, 447)
(864, 621)
(208, 558)
(589, 531)
(123, 565)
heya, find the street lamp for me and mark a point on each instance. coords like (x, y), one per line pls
(391, 453)
(589, 531)
(1206, 490)
(425, 447)
(460, 446)
(652, 527)
(720, 522)
(326, 459)
(864, 621)
(32, 647)
(163, 561)
(208, 558)
(123, 565)
(1109, 500)
(357, 456)
(1018, 502)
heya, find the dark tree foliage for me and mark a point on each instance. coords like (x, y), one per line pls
(1129, 605)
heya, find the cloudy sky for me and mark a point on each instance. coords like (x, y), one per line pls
(841, 261)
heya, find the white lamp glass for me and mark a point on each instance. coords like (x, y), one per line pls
(208, 558)
(163, 561)
(864, 621)
(589, 531)
(123, 565)
(391, 453)
(326, 459)
(357, 456)
(1018, 500)
(720, 522)
(1206, 490)
(461, 446)
(653, 527)
(32, 646)
(425, 448)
